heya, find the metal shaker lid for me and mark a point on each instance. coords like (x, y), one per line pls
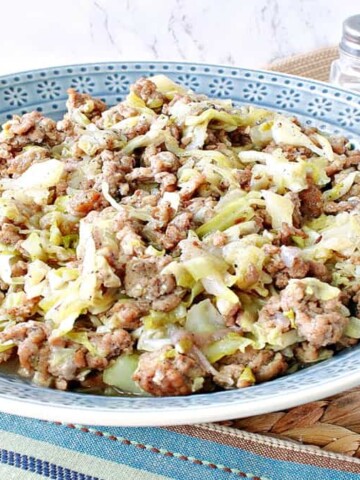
(350, 42)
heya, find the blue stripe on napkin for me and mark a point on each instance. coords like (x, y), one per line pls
(168, 453)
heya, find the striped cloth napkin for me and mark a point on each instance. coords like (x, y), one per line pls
(33, 449)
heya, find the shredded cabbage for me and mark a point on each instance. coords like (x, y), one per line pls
(261, 135)
(167, 87)
(6, 260)
(247, 376)
(279, 207)
(157, 319)
(248, 262)
(6, 346)
(273, 337)
(35, 282)
(340, 189)
(95, 140)
(212, 272)
(33, 185)
(155, 136)
(119, 374)
(353, 328)
(274, 168)
(150, 340)
(278, 170)
(239, 209)
(230, 344)
(83, 339)
(204, 318)
(287, 132)
(328, 234)
(321, 290)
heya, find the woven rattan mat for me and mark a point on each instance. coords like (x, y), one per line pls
(314, 65)
(334, 423)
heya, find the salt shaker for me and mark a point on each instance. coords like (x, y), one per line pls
(345, 71)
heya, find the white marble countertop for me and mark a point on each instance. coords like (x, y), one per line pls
(247, 33)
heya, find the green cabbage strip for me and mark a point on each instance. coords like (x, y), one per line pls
(230, 344)
(353, 328)
(119, 374)
(204, 318)
(239, 210)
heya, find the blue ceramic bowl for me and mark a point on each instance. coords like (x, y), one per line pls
(326, 107)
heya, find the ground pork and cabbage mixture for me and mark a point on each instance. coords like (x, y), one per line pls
(174, 244)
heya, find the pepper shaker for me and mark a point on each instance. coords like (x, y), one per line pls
(345, 71)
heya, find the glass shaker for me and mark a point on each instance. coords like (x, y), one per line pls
(345, 71)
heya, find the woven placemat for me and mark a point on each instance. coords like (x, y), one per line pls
(314, 65)
(332, 424)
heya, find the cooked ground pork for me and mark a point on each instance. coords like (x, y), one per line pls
(176, 242)
(32, 128)
(21, 162)
(166, 372)
(113, 344)
(311, 202)
(319, 322)
(287, 263)
(127, 314)
(147, 91)
(177, 230)
(265, 365)
(163, 162)
(10, 234)
(342, 162)
(85, 201)
(58, 361)
(297, 213)
(91, 107)
(143, 279)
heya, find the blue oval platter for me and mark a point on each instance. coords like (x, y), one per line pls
(317, 104)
